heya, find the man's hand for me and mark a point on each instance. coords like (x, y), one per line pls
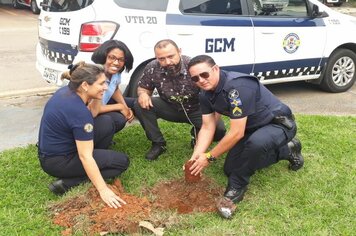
(199, 164)
(145, 101)
(110, 198)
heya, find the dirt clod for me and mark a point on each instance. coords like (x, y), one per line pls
(187, 173)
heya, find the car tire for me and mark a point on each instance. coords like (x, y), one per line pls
(337, 4)
(340, 73)
(34, 7)
(15, 4)
(132, 88)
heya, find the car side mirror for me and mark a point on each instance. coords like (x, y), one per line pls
(316, 12)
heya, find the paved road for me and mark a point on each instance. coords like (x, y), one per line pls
(20, 113)
(18, 30)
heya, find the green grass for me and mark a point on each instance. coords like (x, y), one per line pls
(317, 200)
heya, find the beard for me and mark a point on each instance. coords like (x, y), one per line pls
(173, 70)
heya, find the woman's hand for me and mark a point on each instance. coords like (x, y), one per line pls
(128, 113)
(110, 198)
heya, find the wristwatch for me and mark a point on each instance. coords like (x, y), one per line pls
(210, 157)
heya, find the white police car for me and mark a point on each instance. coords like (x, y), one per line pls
(277, 42)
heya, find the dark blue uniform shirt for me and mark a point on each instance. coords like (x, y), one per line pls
(65, 119)
(240, 95)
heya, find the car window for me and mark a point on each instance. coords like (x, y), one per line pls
(65, 5)
(211, 6)
(288, 8)
(151, 5)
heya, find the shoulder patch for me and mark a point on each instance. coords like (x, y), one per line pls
(235, 102)
(88, 128)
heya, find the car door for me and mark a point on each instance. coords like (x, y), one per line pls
(289, 43)
(219, 28)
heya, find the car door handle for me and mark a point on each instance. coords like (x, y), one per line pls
(267, 33)
(185, 34)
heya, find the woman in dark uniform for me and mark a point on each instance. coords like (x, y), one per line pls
(67, 147)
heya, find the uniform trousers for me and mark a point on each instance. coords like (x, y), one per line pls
(256, 150)
(115, 117)
(69, 168)
(166, 111)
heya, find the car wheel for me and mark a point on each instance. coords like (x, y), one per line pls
(340, 71)
(132, 88)
(15, 4)
(34, 7)
(337, 4)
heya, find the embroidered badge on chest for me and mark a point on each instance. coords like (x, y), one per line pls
(235, 102)
(88, 128)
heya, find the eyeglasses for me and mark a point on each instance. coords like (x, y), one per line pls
(112, 58)
(203, 75)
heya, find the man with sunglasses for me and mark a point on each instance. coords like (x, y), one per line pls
(262, 128)
(178, 99)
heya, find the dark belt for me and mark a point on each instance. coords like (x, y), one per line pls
(280, 120)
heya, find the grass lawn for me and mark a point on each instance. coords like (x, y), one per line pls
(317, 200)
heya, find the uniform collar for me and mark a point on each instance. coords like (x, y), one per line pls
(221, 82)
(219, 87)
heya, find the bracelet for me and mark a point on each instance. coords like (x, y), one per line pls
(210, 157)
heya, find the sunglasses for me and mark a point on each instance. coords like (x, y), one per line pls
(203, 75)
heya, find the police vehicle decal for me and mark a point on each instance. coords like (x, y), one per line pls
(141, 19)
(291, 43)
(288, 22)
(282, 69)
(215, 45)
(58, 52)
(173, 19)
(290, 72)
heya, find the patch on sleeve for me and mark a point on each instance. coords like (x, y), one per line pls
(88, 128)
(235, 103)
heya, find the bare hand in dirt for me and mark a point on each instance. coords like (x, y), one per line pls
(199, 164)
(110, 198)
(145, 101)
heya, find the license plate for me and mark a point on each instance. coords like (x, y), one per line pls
(50, 75)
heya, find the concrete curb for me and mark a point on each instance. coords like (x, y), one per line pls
(28, 92)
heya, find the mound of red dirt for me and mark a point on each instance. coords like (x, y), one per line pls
(89, 215)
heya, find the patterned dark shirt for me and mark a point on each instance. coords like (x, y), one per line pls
(178, 90)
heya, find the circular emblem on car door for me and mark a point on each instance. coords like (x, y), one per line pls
(291, 43)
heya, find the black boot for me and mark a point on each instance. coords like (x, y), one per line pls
(156, 150)
(296, 160)
(235, 194)
(58, 187)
